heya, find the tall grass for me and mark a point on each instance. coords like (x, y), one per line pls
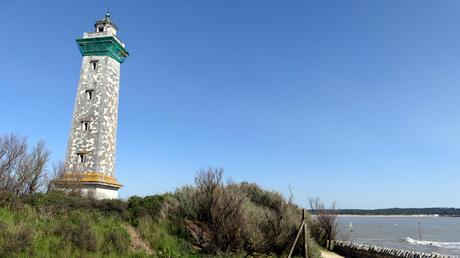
(210, 218)
(44, 231)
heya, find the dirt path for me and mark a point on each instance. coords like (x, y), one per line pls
(328, 254)
(136, 241)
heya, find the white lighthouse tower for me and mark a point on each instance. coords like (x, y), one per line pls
(90, 159)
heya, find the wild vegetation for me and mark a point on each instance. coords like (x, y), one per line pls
(325, 226)
(209, 218)
(22, 170)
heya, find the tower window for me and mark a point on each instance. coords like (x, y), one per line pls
(85, 125)
(81, 158)
(100, 29)
(93, 65)
(89, 94)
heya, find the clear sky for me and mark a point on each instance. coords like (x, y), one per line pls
(352, 101)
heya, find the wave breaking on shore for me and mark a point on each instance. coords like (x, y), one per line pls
(450, 245)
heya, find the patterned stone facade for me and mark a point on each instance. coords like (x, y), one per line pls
(97, 139)
(90, 158)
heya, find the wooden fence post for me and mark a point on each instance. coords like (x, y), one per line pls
(303, 227)
(305, 232)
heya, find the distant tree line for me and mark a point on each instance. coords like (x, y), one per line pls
(452, 212)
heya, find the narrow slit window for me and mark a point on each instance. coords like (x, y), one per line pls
(85, 125)
(93, 65)
(81, 158)
(89, 94)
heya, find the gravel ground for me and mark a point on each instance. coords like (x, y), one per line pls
(328, 254)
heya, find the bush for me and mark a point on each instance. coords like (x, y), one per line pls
(14, 241)
(209, 218)
(159, 238)
(8, 199)
(22, 169)
(59, 200)
(112, 207)
(324, 226)
(235, 218)
(79, 234)
(149, 206)
(116, 240)
(214, 212)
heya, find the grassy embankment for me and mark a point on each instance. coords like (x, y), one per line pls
(208, 219)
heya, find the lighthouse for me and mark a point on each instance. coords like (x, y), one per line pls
(90, 159)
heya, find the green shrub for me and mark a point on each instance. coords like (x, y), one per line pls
(78, 232)
(212, 218)
(58, 200)
(158, 237)
(149, 206)
(112, 207)
(112, 236)
(6, 198)
(14, 240)
(230, 218)
(116, 240)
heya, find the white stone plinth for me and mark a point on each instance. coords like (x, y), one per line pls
(99, 192)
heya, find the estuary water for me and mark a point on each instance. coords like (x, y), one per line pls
(438, 234)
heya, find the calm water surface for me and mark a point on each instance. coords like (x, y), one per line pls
(439, 234)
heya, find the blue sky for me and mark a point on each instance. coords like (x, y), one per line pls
(352, 101)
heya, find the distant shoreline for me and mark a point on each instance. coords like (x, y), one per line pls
(402, 212)
(398, 216)
(394, 215)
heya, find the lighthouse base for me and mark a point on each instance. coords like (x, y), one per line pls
(96, 185)
(99, 192)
